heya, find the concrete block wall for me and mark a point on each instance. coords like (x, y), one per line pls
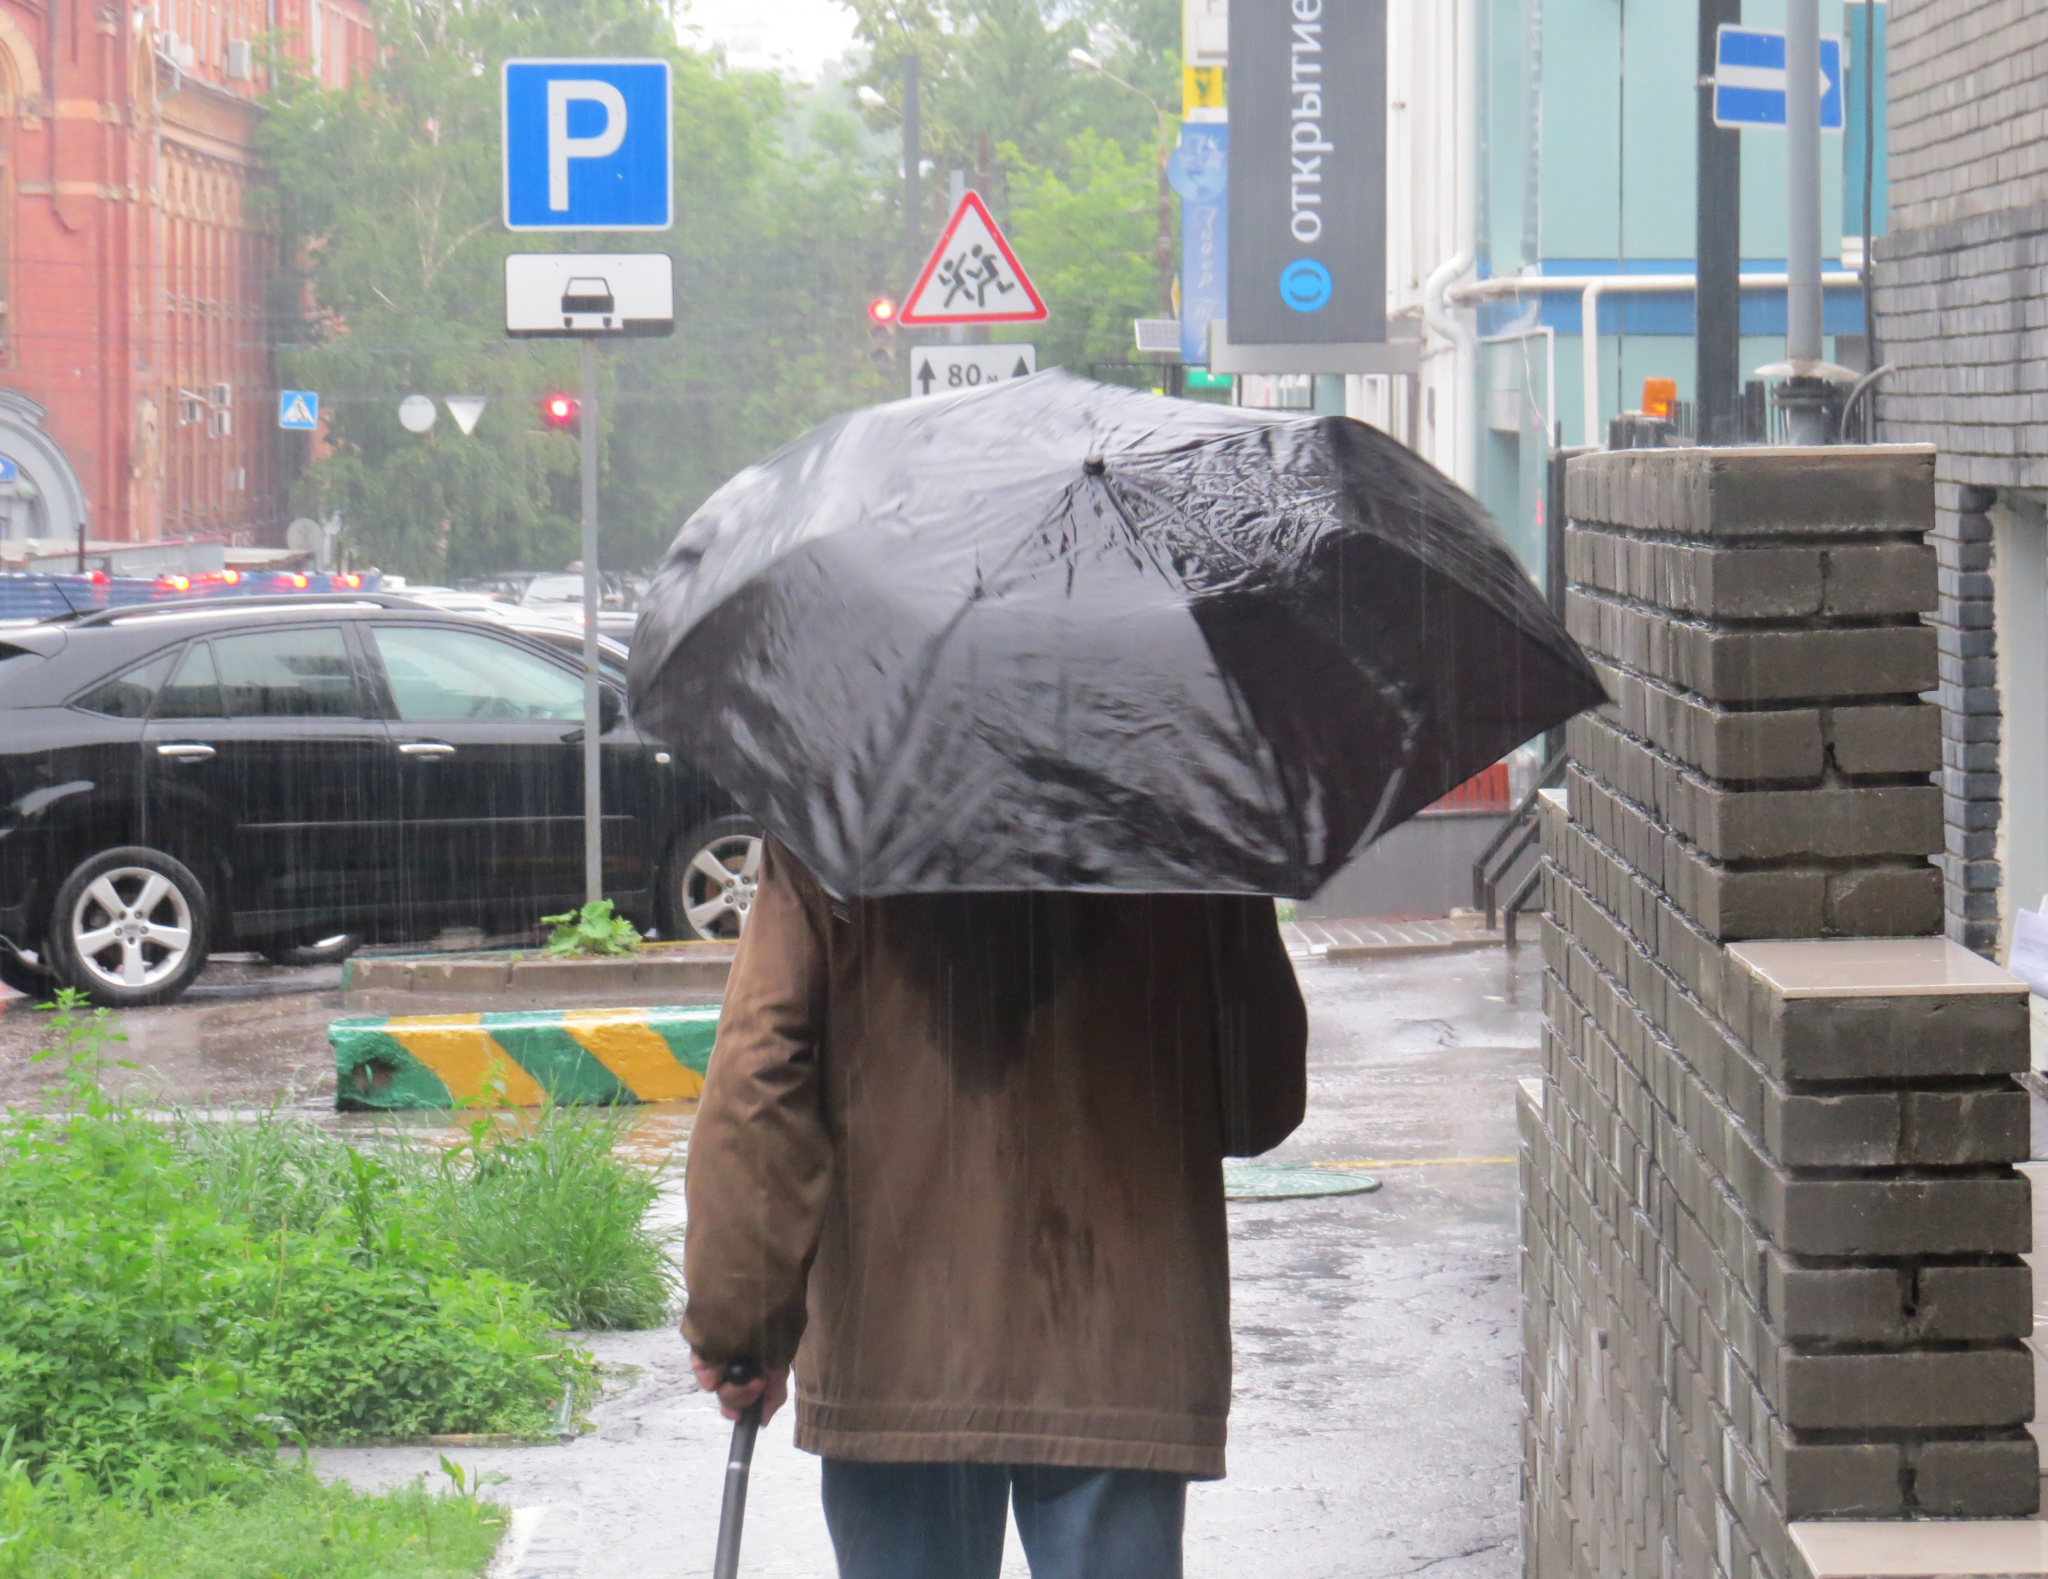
(1765, 757)
(1770, 1224)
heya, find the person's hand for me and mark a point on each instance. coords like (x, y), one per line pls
(772, 1388)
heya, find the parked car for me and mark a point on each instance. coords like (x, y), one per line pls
(548, 616)
(285, 775)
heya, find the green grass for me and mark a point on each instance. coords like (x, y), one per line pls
(541, 1199)
(290, 1527)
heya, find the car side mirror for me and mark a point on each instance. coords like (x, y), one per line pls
(609, 710)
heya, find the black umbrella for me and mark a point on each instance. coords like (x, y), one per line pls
(1056, 634)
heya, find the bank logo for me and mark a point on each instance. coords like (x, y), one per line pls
(1305, 285)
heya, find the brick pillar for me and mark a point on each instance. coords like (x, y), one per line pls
(1971, 715)
(1770, 1227)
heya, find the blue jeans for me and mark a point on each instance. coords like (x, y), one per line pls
(945, 1521)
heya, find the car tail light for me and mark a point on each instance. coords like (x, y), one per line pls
(348, 579)
(294, 579)
(174, 583)
(231, 578)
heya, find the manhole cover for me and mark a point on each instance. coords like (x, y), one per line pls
(1277, 1181)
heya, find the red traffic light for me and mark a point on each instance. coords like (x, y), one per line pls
(560, 411)
(882, 312)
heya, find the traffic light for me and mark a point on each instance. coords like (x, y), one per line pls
(561, 412)
(882, 332)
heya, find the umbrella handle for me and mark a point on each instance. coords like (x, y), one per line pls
(738, 1465)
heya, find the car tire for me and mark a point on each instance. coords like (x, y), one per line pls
(24, 978)
(330, 950)
(130, 928)
(708, 881)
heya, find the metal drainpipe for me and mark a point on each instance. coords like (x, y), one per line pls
(1435, 309)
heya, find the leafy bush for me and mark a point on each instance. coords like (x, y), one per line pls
(149, 1336)
(594, 931)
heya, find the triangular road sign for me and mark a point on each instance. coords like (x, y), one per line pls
(465, 409)
(972, 276)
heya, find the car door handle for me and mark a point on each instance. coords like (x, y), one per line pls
(185, 750)
(426, 748)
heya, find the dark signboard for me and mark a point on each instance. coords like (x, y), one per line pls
(1308, 163)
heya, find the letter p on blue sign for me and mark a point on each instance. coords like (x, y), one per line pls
(587, 145)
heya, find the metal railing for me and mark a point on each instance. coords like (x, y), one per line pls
(1492, 867)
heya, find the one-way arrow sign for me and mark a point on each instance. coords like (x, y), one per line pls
(1749, 79)
(972, 275)
(954, 369)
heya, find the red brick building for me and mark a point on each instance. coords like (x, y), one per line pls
(136, 392)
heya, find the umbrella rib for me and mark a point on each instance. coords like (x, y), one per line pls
(929, 667)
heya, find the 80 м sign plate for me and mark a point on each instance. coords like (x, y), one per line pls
(951, 369)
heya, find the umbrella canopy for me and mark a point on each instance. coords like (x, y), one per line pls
(1056, 634)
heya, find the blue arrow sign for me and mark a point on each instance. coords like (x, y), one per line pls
(587, 145)
(298, 409)
(1749, 79)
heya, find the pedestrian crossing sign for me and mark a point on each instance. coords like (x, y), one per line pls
(298, 409)
(972, 275)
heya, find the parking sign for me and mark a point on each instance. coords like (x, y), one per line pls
(587, 145)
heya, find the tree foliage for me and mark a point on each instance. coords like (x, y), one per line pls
(788, 219)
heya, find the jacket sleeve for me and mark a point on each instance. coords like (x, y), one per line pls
(760, 1156)
(1261, 1027)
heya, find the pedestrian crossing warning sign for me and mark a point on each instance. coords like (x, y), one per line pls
(298, 409)
(972, 276)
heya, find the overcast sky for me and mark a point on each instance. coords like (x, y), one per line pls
(796, 36)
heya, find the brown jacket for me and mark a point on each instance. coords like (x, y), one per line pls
(968, 1149)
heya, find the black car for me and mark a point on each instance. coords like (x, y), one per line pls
(303, 774)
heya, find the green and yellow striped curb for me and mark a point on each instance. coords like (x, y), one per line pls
(521, 1057)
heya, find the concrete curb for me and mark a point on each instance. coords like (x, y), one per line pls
(388, 1063)
(544, 1542)
(698, 967)
(1348, 941)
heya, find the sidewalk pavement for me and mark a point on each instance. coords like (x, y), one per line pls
(1374, 1432)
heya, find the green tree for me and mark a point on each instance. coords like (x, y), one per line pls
(389, 208)
(1087, 237)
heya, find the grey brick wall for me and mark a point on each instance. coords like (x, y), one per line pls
(1770, 1237)
(1962, 311)
(1968, 99)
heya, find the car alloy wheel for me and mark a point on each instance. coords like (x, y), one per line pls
(131, 928)
(718, 886)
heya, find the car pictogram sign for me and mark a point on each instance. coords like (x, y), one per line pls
(972, 276)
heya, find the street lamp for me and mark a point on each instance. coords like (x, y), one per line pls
(1163, 244)
(871, 100)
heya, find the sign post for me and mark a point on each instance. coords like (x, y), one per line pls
(588, 146)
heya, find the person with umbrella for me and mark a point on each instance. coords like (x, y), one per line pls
(1043, 692)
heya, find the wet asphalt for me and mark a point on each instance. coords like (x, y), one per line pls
(1374, 1428)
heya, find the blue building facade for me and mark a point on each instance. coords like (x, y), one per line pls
(1585, 168)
